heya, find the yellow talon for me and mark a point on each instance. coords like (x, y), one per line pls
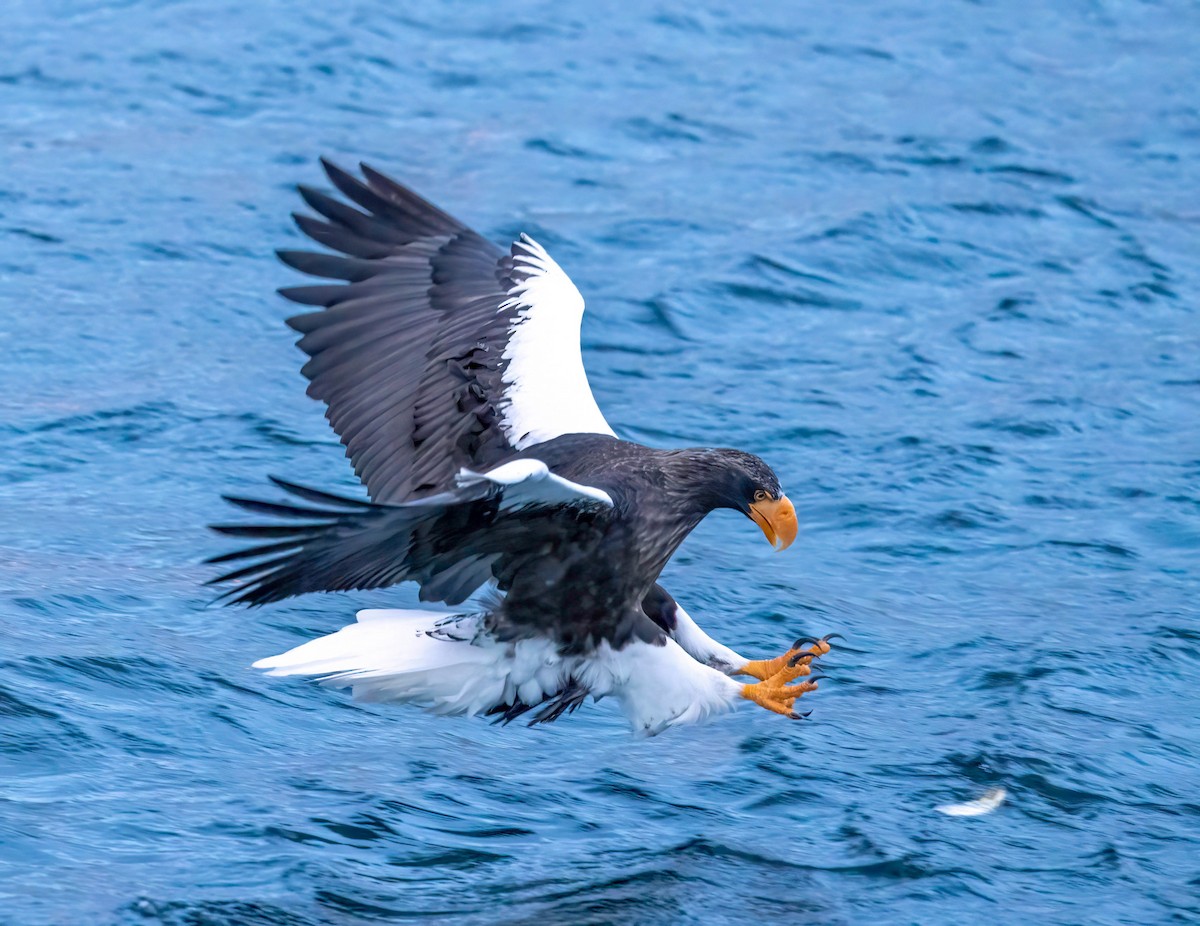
(772, 691)
(775, 694)
(763, 669)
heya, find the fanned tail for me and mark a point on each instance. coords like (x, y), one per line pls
(447, 663)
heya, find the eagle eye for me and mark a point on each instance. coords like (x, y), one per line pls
(761, 495)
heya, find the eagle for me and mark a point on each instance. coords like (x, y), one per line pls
(450, 369)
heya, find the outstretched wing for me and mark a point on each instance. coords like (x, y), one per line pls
(449, 543)
(439, 350)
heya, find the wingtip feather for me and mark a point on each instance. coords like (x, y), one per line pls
(330, 167)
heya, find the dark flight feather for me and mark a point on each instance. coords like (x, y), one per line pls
(409, 353)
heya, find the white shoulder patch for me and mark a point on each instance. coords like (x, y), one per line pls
(530, 482)
(547, 392)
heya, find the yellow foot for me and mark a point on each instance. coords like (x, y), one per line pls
(764, 669)
(775, 694)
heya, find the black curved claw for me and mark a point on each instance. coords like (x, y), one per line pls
(796, 716)
(796, 659)
(825, 639)
(815, 678)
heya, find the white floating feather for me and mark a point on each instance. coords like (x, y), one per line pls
(985, 803)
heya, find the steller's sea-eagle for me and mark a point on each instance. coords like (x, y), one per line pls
(451, 370)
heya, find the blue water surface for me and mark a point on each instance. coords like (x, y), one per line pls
(939, 263)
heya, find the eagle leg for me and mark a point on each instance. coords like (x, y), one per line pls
(763, 669)
(774, 693)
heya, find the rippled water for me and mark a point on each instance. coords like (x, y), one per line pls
(938, 263)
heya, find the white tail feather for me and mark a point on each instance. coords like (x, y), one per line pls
(439, 661)
(449, 664)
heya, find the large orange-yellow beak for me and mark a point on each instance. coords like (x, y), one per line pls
(777, 519)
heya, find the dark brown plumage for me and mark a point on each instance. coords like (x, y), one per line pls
(450, 370)
(577, 572)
